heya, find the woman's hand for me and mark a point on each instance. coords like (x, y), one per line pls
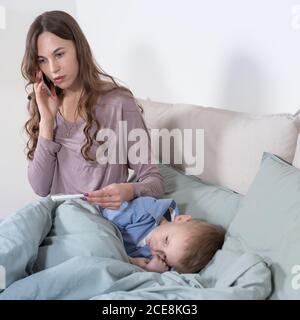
(111, 196)
(48, 105)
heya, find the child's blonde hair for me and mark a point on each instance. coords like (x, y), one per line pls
(202, 241)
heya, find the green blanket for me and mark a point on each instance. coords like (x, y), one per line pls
(66, 250)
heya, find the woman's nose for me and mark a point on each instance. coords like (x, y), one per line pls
(54, 67)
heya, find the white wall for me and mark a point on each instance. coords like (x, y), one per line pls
(241, 55)
(15, 191)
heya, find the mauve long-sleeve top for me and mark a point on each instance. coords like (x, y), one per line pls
(59, 167)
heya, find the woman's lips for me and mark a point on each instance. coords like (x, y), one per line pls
(59, 80)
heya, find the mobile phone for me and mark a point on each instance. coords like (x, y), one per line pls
(48, 84)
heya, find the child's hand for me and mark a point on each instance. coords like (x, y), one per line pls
(156, 264)
(139, 261)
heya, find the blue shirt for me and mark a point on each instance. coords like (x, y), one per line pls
(137, 218)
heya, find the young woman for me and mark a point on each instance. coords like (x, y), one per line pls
(64, 120)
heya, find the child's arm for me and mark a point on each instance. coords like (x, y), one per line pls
(155, 264)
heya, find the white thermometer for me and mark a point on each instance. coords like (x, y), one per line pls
(61, 197)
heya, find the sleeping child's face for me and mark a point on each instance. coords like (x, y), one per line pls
(168, 240)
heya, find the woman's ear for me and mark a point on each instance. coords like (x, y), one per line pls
(183, 218)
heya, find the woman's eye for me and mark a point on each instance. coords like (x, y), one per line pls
(40, 61)
(60, 54)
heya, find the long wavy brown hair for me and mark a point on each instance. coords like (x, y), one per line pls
(94, 80)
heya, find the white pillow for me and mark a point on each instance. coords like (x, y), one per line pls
(234, 142)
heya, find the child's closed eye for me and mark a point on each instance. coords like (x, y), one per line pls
(166, 241)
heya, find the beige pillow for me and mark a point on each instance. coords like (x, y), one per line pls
(233, 141)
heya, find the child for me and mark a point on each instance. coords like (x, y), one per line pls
(157, 238)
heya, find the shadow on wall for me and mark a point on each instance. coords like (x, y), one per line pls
(242, 86)
(148, 74)
(241, 89)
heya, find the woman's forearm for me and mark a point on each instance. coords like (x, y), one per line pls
(128, 190)
(151, 186)
(41, 168)
(46, 130)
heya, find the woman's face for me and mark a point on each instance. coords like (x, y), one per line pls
(57, 58)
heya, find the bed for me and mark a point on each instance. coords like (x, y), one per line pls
(66, 250)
